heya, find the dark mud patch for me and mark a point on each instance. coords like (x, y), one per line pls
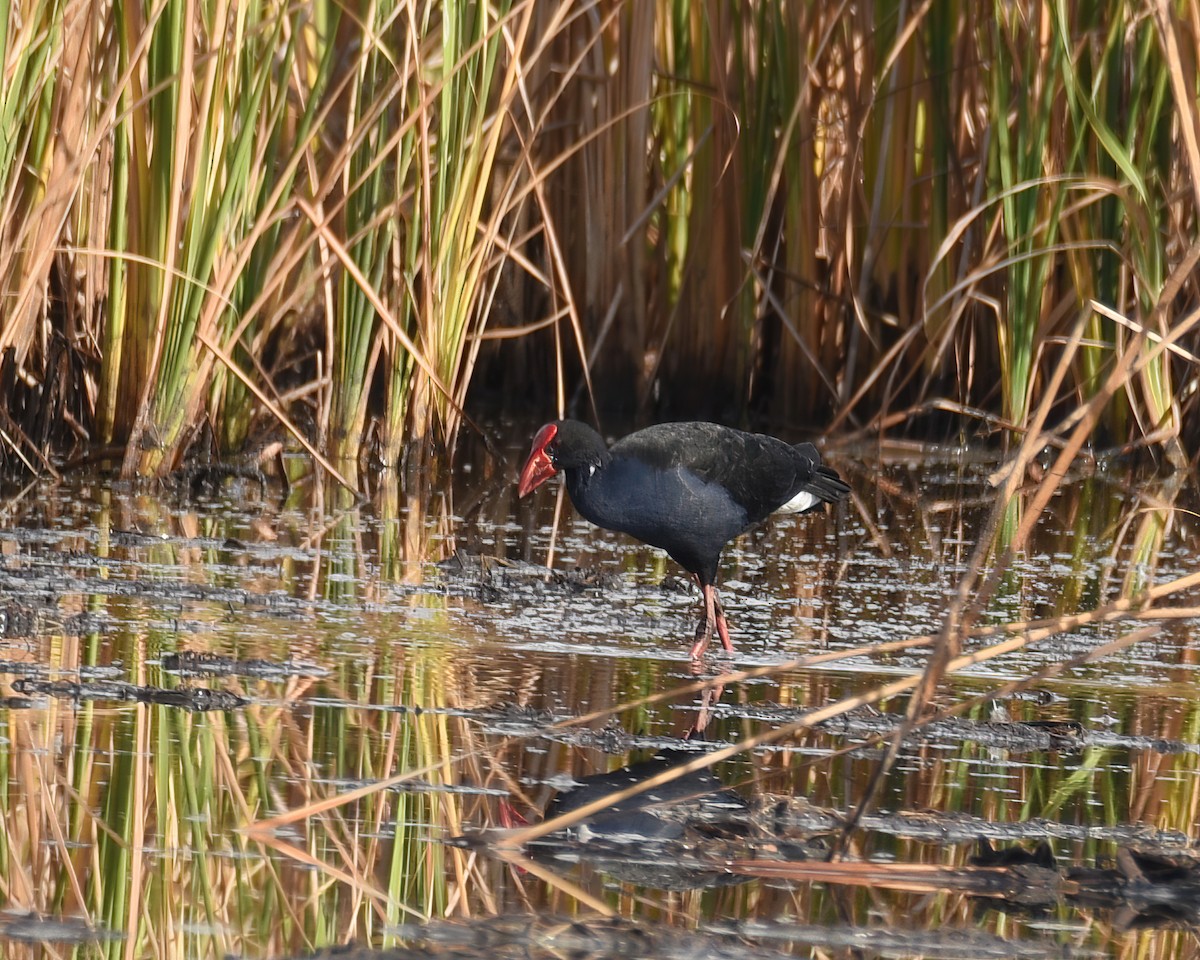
(494, 580)
(1016, 737)
(33, 587)
(1137, 887)
(192, 699)
(51, 587)
(31, 928)
(516, 720)
(864, 725)
(26, 668)
(22, 621)
(191, 663)
(522, 937)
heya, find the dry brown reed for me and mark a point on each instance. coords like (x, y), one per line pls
(878, 218)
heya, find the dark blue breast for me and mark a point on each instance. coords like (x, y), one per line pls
(668, 508)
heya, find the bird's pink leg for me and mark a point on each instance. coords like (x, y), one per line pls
(722, 625)
(704, 628)
(714, 617)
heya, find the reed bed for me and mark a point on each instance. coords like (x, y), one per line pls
(873, 219)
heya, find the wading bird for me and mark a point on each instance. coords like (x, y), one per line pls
(688, 488)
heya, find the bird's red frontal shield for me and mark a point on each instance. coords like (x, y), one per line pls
(538, 468)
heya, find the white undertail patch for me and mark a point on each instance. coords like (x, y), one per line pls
(800, 502)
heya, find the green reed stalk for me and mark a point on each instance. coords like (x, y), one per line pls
(470, 121)
(417, 878)
(270, 139)
(31, 49)
(83, 769)
(705, 354)
(1179, 810)
(1120, 118)
(192, 778)
(939, 160)
(154, 200)
(784, 102)
(207, 183)
(371, 229)
(115, 845)
(411, 155)
(671, 131)
(1091, 519)
(1023, 86)
(1075, 786)
(1152, 530)
(418, 226)
(109, 418)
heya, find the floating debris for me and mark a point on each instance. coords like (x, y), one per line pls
(616, 938)
(493, 580)
(195, 699)
(30, 928)
(191, 663)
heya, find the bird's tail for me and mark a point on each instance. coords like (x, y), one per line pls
(827, 485)
(824, 484)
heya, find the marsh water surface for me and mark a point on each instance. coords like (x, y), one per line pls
(261, 720)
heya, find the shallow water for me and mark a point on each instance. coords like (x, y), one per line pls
(360, 657)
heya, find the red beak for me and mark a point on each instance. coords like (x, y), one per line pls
(538, 468)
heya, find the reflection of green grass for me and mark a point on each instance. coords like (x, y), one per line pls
(1182, 799)
(167, 843)
(1080, 782)
(157, 800)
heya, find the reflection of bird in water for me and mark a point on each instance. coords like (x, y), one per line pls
(648, 837)
(665, 812)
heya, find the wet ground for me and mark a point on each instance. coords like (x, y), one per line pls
(261, 722)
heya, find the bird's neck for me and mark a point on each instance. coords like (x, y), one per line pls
(580, 479)
(591, 490)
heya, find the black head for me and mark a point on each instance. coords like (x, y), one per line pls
(561, 445)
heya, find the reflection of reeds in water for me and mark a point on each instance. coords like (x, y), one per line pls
(132, 816)
(311, 816)
(410, 525)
